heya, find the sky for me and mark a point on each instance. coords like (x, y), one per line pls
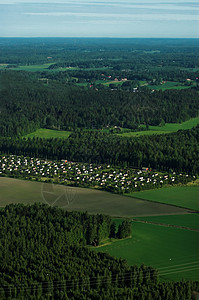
(99, 18)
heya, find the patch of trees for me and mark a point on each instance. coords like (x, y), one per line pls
(27, 104)
(178, 151)
(43, 256)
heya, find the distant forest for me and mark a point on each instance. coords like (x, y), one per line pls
(53, 98)
(27, 104)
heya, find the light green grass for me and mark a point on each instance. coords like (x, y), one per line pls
(48, 133)
(80, 199)
(141, 133)
(176, 126)
(174, 252)
(44, 67)
(183, 196)
(33, 68)
(188, 220)
(168, 85)
(114, 82)
(167, 128)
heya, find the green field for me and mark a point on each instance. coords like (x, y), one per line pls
(44, 67)
(48, 133)
(168, 85)
(150, 244)
(174, 252)
(33, 68)
(188, 220)
(183, 196)
(80, 199)
(167, 128)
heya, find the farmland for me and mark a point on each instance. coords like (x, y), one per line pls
(168, 85)
(45, 67)
(147, 239)
(29, 68)
(188, 220)
(48, 133)
(80, 199)
(183, 196)
(167, 128)
(162, 247)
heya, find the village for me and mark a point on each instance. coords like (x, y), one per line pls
(105, 177)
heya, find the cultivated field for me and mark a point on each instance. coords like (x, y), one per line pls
(184, 196)
(174, 252)
(48, 133)
(188, 220)
(71, 198)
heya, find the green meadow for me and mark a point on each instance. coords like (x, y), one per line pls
(182, 196)
(44, 67)
(48, 133)
(167, 128)
(171, 127)
(33, 68)
(189, 220)
(173, 251)
(168, 85)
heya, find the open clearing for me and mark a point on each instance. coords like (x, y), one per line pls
(174, 252)
(48, 133)
(183, 196)
(80, 199)
(168, 85)
(188, 220)
(176, 126)
(167, 128)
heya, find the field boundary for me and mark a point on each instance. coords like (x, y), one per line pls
(190, 210)
(166, 225)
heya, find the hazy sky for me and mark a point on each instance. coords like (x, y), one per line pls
(99, 18)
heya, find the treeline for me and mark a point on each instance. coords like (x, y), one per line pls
(27, 104)
(43, 256)
(178, 151)
(42, 50)
(90, 76)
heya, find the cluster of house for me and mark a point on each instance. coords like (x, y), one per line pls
(105, 177)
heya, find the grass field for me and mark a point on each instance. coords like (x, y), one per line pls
(184, 196)
(48, 133)
(188, 220)
(150, 244)
(167, 128)
(33, 68)
(168, 85)
(174, 252)
(80, 199)
(44, 67)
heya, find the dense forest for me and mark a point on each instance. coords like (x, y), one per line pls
(178, 151)
(27, 104)
(43, 255)
(94, 88)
